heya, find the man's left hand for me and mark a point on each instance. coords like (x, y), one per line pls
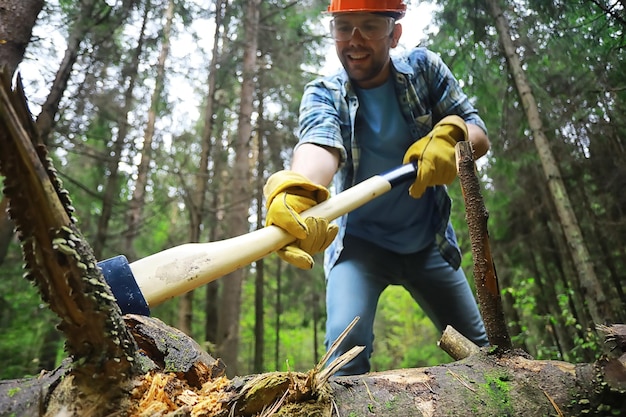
(435, 155)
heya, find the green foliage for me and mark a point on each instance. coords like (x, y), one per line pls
(300, 317)
(404, 336)
(568, 50)
(526, 301)
(24, 321)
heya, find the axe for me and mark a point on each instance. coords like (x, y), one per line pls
(145, 283)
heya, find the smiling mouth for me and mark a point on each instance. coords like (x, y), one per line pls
(357, 56)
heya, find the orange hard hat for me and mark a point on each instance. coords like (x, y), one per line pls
(395, 7)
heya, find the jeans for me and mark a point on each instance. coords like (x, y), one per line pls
(364, 270)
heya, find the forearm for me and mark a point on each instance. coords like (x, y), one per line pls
(317, 163)
(478, 139)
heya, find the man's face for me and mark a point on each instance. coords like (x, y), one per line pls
(363, 41)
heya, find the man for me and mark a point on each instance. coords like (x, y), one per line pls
(378, 112)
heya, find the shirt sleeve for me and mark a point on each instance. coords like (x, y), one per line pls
(446, 94)
(320, 119)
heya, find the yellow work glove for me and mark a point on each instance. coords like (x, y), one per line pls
(435, 155)
(287, 194)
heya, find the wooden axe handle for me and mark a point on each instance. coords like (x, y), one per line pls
(180, 269)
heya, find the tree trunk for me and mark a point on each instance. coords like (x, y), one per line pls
(80, 28)
(487, 285)
(197, 198)
(278, 309)
(217, 150)
(259, 279)
(259, 317)
(17, 18)
(213, 289)
(134, 214)
(62, 265)
(482, 385)
(112, 182)
(598, 304)
(230, 304)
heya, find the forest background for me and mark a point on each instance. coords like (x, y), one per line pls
(165, 117)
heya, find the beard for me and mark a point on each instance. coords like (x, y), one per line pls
(364, 66)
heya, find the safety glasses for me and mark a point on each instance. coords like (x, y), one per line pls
(371, 27)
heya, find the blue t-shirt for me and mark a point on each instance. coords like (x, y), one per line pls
(395, 220)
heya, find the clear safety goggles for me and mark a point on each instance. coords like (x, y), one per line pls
(372, 28)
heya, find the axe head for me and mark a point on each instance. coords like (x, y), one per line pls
(119, 276)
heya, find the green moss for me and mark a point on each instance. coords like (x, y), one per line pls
(493, 395)
(495, 392)
(391, 404)
(14, 391)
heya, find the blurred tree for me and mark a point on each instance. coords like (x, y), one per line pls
(16, 25)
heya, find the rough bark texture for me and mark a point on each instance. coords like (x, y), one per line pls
(164, 351)
(476, 215)
(60, 262)
(17, 18)
(482, 385)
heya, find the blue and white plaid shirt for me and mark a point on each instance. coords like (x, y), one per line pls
(427, 92)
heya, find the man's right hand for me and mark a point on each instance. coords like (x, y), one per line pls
(287, 194)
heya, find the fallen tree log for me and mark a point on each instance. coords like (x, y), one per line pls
(182, 380)
(138, 366)
(481, 385)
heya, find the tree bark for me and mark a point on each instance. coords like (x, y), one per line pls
(259, 277)
(80, 28)
(134, 213)
(230, 304)
(205, 173)
(476, 215)
(62, 265)
(481, 385)
(17, 19)
(278, 309)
